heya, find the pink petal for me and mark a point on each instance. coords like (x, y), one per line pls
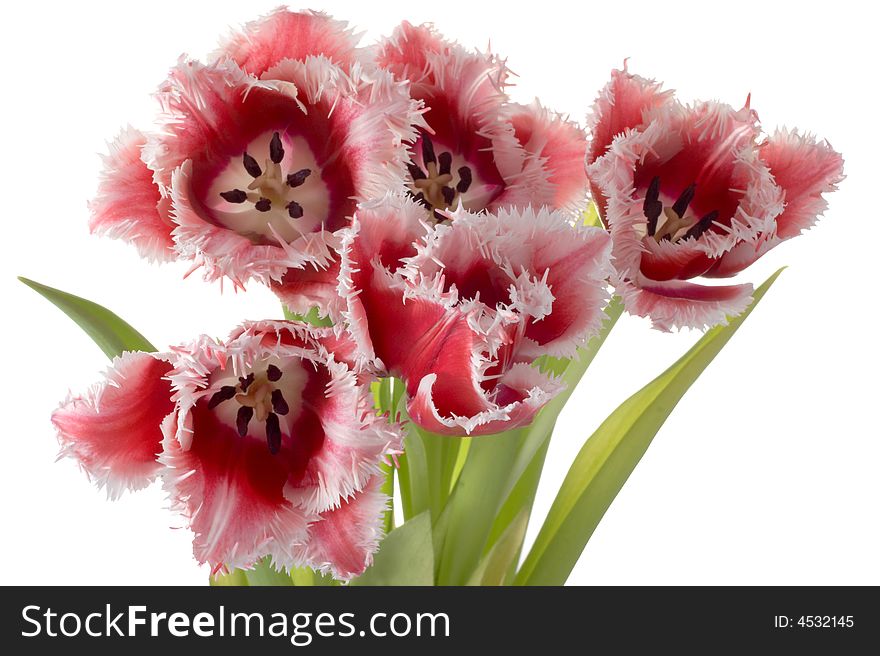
(445, 355)
(576, 265)
(805, 169)
(114, 429)
(231, 491)
(302, 289)
(667, 260)
(343, 539)
(560, 145)
(409, 49)
(129, 205)
(520, 393)
(284, 34)
(531, 263)
(683, 304)
(382, 234)
(710, 145)
(740, 257)
(621, 106)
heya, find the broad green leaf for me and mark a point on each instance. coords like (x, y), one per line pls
(405, 557)
(526, 471)
(494, 465)
(474, 502)
(611, 454)
(495, 566)
(109, 332)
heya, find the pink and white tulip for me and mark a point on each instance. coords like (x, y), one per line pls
(266, 443)
(460, 311)
(691, 191)
(479, 151)
(260, 157)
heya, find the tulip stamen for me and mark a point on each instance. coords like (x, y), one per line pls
(432, 186)
(676, 215)
(270, 185)
(258, 398)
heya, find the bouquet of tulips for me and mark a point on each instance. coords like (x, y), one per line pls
(448, 264)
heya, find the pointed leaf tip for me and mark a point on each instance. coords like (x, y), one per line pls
(107, 330)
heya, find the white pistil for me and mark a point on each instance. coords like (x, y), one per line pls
(674, 223)
(432, 186)
(258, 397)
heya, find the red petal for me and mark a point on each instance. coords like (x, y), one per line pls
(285, 34)
(231, 490)
(561, 146)
(805, 169)
(343, 539)
(683, 304)
(302, 289)
(128, 204)
(114, 430)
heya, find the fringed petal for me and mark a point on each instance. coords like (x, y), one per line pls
(805, 169)
(308, 287)
(230, 490)
(520, 392)
(464, 93)
(113, 430)
(343, 539)
(620, 107)
(676, 304)
(532, 263)
(383, 233)
(200, 116)
(129, 205)
(560, 145)
(285, 34)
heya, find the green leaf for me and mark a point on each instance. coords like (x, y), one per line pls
(412, 474)
(313, 317)
(476, 499)
(611, 454)
(525, 473)
(493, 570)
(405, 557)
(478, 510)
(590, 216)
(109, 332)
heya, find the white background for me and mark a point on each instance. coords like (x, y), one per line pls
(765, 474)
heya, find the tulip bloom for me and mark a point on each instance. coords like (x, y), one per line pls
(479, 151)
(260, 157)
(461, 314)
(691, 191)
(266, 443)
